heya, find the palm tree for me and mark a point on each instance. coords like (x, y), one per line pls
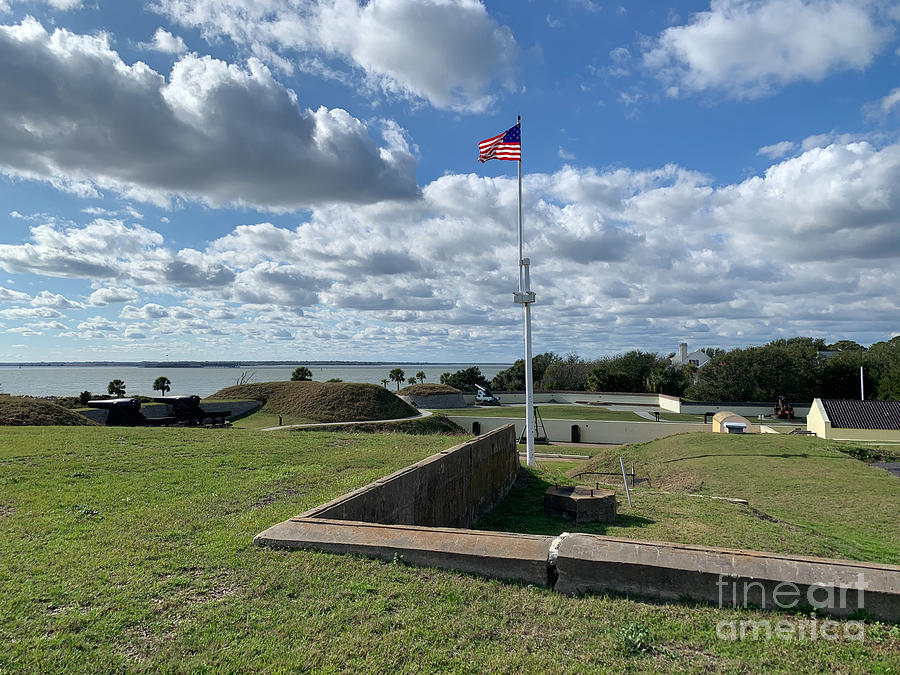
(384, 382)
(397, 375)
(162, 384)
(412, 380)
(301, 373)
(116, 388)
(421, 376)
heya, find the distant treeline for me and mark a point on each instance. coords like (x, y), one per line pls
(799, 369)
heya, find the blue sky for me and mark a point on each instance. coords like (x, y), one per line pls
(268, 179)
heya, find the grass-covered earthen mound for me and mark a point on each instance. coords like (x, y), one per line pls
(21, 412)
(323, 401)
(429, 389)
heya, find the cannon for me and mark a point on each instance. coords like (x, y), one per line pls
(123, 412)
(783, 409)
(187, 410)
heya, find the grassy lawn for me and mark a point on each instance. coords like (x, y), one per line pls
(262, 419)
(805, 497)
(130, 550)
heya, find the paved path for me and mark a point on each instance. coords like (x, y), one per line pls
(893, 467)
(424, 413)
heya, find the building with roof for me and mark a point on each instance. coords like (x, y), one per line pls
(696, 358)
(855, 420)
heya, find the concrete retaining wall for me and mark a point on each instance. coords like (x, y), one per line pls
(591, 431)
(391, 517)
(614, 398)
(436, 401)
(748, 410)
(450, 489)
(725, 577)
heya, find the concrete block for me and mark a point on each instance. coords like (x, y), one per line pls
(581, 504)
(726, 577)
(491, 554)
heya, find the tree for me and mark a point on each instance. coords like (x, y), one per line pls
(420, 376)
(84, 397)
(625, 372)
(384, 382)
(412, 381)
(666, 378)
(465, 380)
(513, 378)
(845, 346)
(162, 384)
(397, 375)
(301, 374)
(116, 388)
(337, 379)
(567, 374)
(246, 377)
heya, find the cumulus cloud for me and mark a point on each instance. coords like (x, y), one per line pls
(619, 258)
(450, 53)
(54, 300)
(747, 48)
(164, 41)
(106, 296)
(76, 116)
(8, 295)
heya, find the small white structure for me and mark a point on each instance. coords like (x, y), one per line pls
(727, 422)
(696, 358)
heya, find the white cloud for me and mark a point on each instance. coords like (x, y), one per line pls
(105, 296)
(54, 300)
(448, 52)
(890, 101)
(813, 242)
(164, 41)
(750, 47)
(76, 116)
(776, 150)
(8, 295)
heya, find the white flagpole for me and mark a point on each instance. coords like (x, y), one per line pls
(525, 297)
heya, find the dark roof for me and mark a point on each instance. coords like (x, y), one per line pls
(855, 414)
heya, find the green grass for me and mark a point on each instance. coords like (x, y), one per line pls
(22, 411)
(130, 550)
(805, 497)
(322, 401)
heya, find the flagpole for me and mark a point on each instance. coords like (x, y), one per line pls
(525, 296)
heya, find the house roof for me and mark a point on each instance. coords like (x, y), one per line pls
(855, 414)
(697, 355)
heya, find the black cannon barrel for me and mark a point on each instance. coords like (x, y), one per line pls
(120, 403)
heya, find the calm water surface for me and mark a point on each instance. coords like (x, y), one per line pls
(72, 380)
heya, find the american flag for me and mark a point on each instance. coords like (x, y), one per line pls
(507, 145)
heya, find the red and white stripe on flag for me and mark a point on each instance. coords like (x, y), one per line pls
(507, 145)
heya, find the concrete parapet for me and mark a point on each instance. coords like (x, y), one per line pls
(439, 401)
(491, 554)
(450, 489)
(726, 577)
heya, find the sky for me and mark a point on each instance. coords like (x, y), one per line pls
(298, 179)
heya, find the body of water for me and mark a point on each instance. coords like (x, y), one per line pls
(72, 380)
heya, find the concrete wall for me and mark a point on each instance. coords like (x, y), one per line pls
(591, 431)
(450, 489)
(436, 401)
(748, 410)
(583, 563)
(615, 398)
